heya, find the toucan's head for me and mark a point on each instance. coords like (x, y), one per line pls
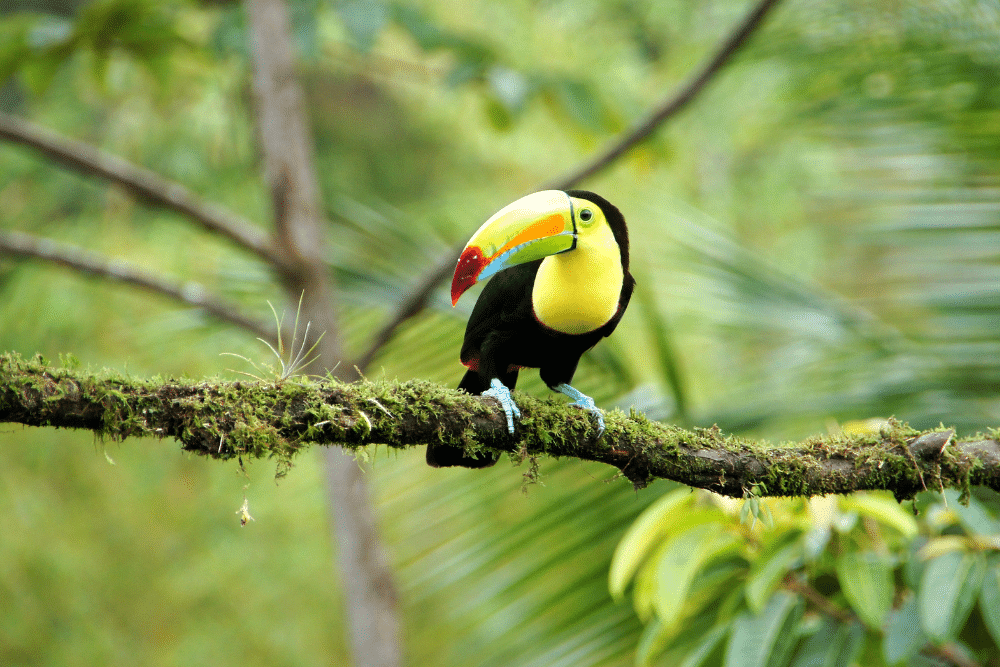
(535, 226)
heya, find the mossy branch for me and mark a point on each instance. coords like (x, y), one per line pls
(266, 419)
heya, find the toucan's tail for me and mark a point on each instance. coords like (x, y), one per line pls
(445, 456)
(473, 383)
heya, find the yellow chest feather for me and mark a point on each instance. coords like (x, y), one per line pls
(577, 291)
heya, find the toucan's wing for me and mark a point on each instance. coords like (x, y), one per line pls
(503, 305)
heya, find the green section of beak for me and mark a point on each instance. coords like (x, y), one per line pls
(533, 227)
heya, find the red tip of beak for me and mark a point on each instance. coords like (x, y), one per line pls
(470, 264)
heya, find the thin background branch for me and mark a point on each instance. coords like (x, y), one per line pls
(670, 105)
(141, 182)
(95, 264)
(418, 297)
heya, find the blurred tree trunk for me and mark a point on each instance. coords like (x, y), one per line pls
(287, 155)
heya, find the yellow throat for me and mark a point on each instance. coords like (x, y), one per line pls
(577, 292)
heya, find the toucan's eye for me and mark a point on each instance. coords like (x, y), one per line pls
(586, 215)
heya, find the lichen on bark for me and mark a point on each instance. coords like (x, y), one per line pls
(226, 419)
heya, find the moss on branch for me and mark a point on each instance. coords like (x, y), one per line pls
(223, 419)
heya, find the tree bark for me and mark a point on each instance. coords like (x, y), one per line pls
(225, 420)
(289, 167)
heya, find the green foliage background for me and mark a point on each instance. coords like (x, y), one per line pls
(815, 240)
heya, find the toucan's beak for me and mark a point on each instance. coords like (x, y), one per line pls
(533, 227)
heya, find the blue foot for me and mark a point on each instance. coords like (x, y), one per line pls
(581, 400)
(498, 391)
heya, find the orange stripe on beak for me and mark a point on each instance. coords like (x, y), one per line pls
(547, 226)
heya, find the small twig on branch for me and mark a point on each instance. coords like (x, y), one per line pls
(92, 263)
(818, 600)
(141, 182)
(416, 300)
(278, 419)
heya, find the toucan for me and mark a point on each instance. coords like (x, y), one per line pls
(558, 263)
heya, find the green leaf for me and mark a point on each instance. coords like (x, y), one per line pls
(754, 636)
(854, 643)
(499, 116)
(648, 529)
(834, 644)
(867, 582)
(50, 32)
(973, 517)
(430, 36)
(13, 51)
(788, 636)
(882, 508)
(767, 574)
(644, 591)
(944, 544)
(509, 87)
(679, 561)
(712, 583)
(814, 541)
(142, 29)
(948, 589)
(989, 601)
(229, 35)
(913, 564)
(37, 73)
(903, 637)
(426, 33)
(706, 647)
(824, 647)
(651, 643)
(579, 101)
(363, 20)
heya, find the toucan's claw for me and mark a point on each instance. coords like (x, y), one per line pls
(581, 400)
(500, 392)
